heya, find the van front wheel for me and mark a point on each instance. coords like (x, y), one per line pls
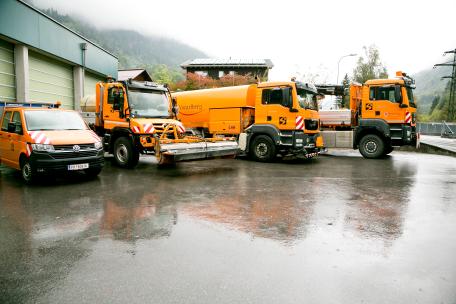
(27, 171)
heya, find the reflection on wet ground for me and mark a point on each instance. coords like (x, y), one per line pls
(338, 229)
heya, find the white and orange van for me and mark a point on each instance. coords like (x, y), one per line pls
(43, 139)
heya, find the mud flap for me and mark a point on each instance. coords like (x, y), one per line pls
(177, 152)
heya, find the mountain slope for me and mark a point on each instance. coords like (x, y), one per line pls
(429, 84)
(133, 49)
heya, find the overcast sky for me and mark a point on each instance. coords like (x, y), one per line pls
(300, 37)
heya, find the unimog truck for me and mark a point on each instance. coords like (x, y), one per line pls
(136, 118)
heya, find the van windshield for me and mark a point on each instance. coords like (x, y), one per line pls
(54, 120)
(148, 103)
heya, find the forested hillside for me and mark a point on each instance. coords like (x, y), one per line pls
(159, 55)
(429, 84)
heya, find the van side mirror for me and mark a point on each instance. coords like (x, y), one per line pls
(398, 94)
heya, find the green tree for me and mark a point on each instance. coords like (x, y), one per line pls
(369, 66)
(346, 97)
(435, 103)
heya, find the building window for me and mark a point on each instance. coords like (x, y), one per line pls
(201, 73)
(232, 73)
(221, 74)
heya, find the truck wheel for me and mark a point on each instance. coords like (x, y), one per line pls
(371, 146)
(388, 150)
(262, 149)
(27, 171)
(125, 155)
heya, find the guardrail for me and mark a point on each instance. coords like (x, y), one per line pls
(436, 128)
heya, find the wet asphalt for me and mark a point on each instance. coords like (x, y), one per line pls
(336, 229)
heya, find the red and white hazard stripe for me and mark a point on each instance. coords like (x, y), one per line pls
(180, 127)
(28, 149)
(408, 117)
(39, 137)
(148, 128)
(136, 129)
(299, 123)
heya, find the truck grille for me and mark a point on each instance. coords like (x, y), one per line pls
(311, 124)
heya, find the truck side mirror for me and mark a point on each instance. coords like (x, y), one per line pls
(11, 127)
(175, 107)
(287, 100)
(15, 127)
(397, 94)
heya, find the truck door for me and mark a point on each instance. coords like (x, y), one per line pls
(114, 107)
(276, 107)
(383, 104)
(4, 137)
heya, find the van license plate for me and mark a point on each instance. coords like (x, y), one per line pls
(78, 167)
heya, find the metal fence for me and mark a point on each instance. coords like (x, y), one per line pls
(435, 128)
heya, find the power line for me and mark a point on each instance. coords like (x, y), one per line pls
(451, 105)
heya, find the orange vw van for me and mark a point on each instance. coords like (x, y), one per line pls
(43, 139)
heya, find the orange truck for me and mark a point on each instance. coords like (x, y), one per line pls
(269, 118)
(44, 139)
(136, 118)
(381, 116)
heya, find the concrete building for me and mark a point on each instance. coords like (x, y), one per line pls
(217, 68)
(43, 61)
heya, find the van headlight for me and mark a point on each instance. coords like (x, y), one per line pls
(98, 145)
(43, 148)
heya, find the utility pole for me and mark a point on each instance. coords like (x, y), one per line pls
(451, 102)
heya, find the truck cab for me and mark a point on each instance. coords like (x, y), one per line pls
(388, 110)
(288, 113)
(43, 139)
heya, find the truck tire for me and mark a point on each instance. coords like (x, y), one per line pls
(262, 149)
(371, 146)
(388, 150)
(125, 154)
(28, 173)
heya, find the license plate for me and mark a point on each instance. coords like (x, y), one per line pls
(78, 167)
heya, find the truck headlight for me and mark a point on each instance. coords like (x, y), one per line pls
(98, 145)
(43, 148)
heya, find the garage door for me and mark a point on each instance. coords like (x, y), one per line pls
(7, 74)
(50, 80)
(89, 83)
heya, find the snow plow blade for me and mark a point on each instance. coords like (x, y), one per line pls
(177, 152)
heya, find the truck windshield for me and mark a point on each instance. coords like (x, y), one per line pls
(54, 120)
(410, 97)
(147, 103)
(307, 99)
